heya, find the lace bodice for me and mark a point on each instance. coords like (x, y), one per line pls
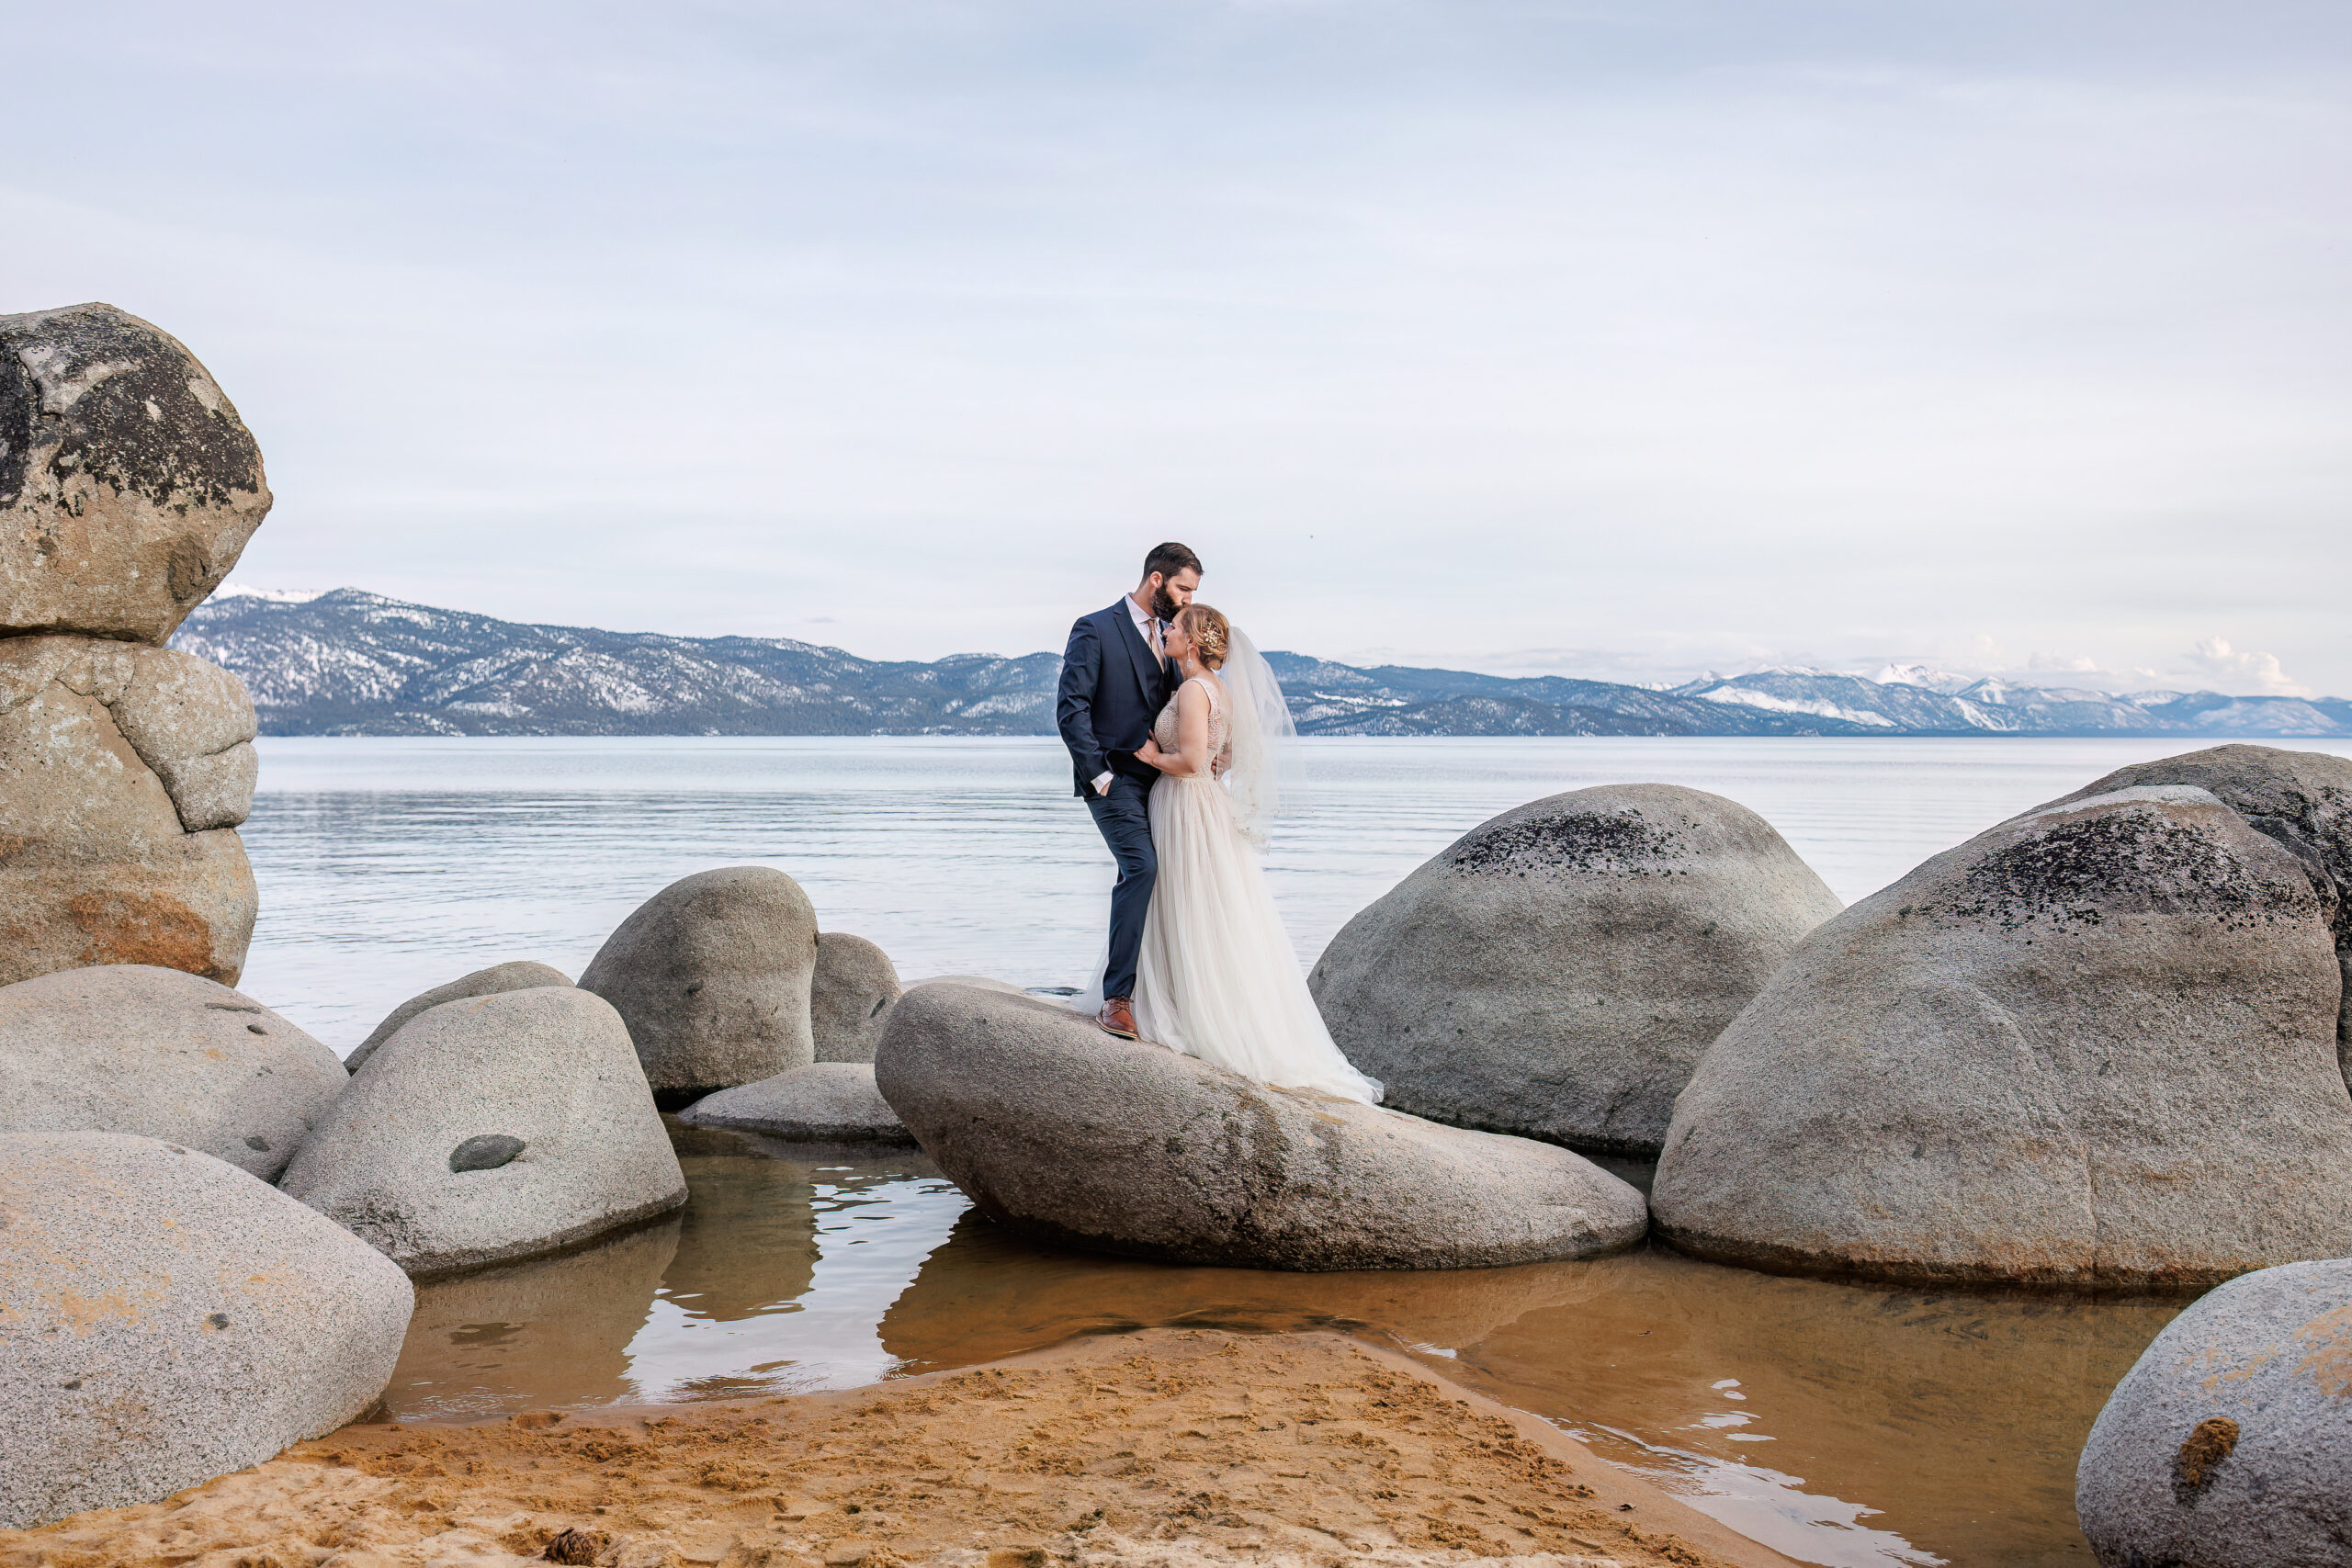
(1163, 728)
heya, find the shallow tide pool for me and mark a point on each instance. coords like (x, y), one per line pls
(1844, 1425)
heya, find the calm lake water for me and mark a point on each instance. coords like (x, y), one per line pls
(1843, 1425)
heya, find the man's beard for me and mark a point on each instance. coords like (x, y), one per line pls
(1162, 605)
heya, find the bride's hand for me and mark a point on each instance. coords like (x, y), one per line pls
(1148, 754)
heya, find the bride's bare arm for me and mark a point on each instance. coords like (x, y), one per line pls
(1191, 754)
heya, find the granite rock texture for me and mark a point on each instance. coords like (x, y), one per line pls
(2094, 1046)
(2303, 799)
(124, 772)
(128, 1048)
(128, 484)
(1557, 972)
(1055, 1128)
(488, 1128)
(852, 989)
(2229, 1443)
(825, 1102)
(520, 974)
(165, 1318)
(713, 975)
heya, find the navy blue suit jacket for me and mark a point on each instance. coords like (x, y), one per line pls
(1111, 689)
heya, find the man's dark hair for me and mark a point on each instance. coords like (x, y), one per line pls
(1169, 559)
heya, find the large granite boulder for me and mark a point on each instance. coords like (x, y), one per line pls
(2093, 1046)
(129, 1048)
(128, 484)
(853, 988)
(165, 1318)
(124, 771)
(521, 974)
(488, 1128)
(713, 975)
(1558, 971)
(826, 1101)
(1059, 1130)
(2303, 799)
(2229, 1443)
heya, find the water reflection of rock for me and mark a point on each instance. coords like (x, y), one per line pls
(989, 1293)
(1924, 1405)
(549, 1332)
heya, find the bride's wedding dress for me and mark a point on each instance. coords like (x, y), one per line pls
(1217, 978)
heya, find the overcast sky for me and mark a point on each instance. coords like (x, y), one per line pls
(1621, 339)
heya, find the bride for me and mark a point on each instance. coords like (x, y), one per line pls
(1216, 979)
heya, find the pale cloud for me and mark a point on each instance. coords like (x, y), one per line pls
(1624, 338)
(2244, 671)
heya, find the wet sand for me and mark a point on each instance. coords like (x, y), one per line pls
(1160, 1449)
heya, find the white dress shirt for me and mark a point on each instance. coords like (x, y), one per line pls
(1148, 625)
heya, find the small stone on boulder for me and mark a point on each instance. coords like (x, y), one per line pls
(493, 1127)
(1052, 1127)
(2229, 1443)
(128, 484)
(129, 1048)
(520, 975)
(2094, 1047)
(826, 1101)
(165, 1318)
(1558, 971)
(854, 987)
(712, 975)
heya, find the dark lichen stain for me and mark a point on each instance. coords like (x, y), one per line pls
(143, 429)
(484, 1151)
(218, 1320)
(2214, 1439)
(258, 1144)
(1624, 843)
(2079, 872)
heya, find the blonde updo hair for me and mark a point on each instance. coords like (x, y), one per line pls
(1209, 630)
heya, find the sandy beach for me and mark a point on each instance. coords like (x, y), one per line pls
(1168, 1447)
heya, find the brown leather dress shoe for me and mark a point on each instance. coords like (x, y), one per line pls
(1117, 1016)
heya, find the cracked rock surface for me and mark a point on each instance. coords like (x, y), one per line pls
(1055, 1128)
(128, 484)
(124, 771)
(2094, 1046)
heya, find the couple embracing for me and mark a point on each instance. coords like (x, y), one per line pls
(1175, 728)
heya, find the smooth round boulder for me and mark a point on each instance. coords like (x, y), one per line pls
(129, 1048)
(2229, 1442)
(488, 1128)
(1557, 972)
(1055, 1128)
(853, 986)
(123, 770)
(165, 1318)
(826, 1101)
(521, 974)
(712, 975)
(128, 484)
(2303, 799)
(2091, 1047)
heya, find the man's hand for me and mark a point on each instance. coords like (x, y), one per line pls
(1101, 784)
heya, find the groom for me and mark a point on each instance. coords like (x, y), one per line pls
(1115, 679)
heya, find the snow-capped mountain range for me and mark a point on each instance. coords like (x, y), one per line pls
(349, 662)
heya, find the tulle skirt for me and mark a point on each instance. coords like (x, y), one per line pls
(1216, 979)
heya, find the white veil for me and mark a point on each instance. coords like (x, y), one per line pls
(1267, 768)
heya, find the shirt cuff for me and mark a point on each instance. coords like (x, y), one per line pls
(1103, 781)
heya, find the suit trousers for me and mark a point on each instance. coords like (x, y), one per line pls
(1123, 815)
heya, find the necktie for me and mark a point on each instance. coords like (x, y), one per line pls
(1158, 651)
